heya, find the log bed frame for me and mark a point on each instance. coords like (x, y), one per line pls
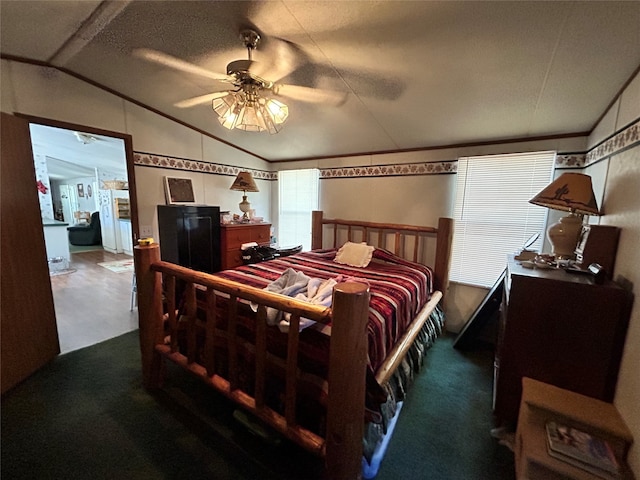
(341, 448)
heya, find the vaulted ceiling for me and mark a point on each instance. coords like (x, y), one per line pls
(407, 74)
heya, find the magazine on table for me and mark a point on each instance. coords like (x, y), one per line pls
(582, 450)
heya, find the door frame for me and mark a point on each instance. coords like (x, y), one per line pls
(129, 156)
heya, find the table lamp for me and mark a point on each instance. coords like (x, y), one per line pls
(244, 182)
(573, 193)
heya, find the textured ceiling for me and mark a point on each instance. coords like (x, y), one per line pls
(413, 74)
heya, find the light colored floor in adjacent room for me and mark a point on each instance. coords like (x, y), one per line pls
(92, 304)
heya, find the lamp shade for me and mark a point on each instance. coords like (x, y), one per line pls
(244, 183)
(573, 193)
(570, 192)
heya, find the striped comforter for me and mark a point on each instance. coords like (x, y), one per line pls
(399, 289)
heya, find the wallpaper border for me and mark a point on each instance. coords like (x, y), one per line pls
(626, 138)
(141, 159)
(391, 170)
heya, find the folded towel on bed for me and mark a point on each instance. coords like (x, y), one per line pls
(301, 287)
(290, 283)
(319, 292)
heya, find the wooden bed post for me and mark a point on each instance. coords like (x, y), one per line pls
(443, 254)
(316, 230)
(347, 373)
(149, 288)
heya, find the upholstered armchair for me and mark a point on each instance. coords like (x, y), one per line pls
(86, 234)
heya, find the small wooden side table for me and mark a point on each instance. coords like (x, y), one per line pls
(542, 403)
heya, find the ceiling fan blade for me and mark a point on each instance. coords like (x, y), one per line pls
(192, 102)
(176, 63)
(311, 95)
(279, 59)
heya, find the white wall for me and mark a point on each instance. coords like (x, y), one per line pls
(622, 208)
(45, 197)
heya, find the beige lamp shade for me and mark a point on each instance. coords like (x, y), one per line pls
(573, 193)
(570, 192)
(244, 183)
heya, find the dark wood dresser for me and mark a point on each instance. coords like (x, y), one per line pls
(559, 328)
(190, 236)
(234, 235)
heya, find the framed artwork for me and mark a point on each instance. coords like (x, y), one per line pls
(80, 190)
(89, 190)
(178, 191)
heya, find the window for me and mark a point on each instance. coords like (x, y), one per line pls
(493, 215)
(298, 197)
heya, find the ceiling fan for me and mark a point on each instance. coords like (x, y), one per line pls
(249, 87)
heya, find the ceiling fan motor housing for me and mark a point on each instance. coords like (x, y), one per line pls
(241, 70)
(239, 66)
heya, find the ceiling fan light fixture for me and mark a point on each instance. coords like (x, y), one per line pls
(251, 119)
(249, 112)
(229, 120)
(278, 110)
(228, 109)
(248, 104)
(249, 108)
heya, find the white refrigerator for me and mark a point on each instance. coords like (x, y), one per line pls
(112, 235)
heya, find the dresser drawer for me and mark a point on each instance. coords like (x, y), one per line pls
(261, 234)
(233, 236)
(236, 236)
(232, 259)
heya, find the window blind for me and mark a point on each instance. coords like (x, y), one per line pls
(493, 216)
(298, 197)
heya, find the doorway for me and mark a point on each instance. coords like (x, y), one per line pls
(68, 201)
(77, 167)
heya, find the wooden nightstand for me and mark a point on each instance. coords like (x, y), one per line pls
(234, 235)
(542, 403)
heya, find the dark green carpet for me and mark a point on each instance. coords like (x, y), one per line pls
(85, 415)
(444, 429)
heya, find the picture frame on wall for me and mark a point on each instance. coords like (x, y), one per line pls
(80, 190)
(179, 191)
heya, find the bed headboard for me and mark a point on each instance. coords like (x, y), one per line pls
(407, 241)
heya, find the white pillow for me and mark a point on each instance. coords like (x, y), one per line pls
(354, 254)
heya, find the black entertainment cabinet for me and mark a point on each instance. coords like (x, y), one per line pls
(190, 236)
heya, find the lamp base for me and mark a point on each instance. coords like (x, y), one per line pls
(564, 235)
(245, 206)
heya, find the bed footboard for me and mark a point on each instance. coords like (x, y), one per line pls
(160, 328)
